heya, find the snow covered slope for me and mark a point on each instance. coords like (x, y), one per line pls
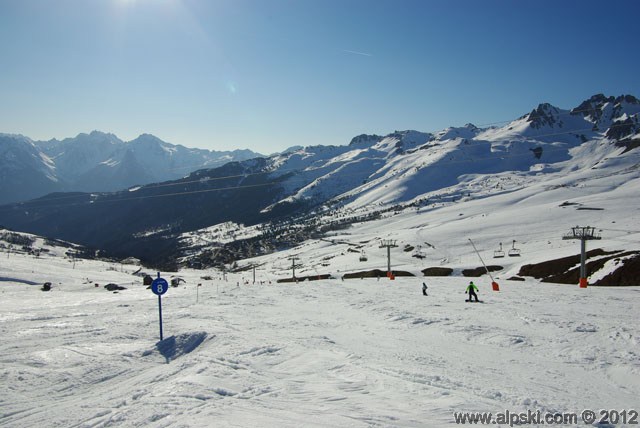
(329, 353)
(535, 211)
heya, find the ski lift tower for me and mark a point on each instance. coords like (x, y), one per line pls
(584, 234)
(294, 266)
(388, 244)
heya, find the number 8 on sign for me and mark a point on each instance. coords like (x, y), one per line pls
(159, 286)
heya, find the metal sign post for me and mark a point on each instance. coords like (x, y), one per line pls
(159, 286)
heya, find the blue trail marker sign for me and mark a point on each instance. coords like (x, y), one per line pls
(159, 286)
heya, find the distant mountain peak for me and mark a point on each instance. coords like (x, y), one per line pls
(603, 111)
(96, 133)
(291, 149)
(543, 115)
(597, 102)
(467, 131)
(365, 139)
(90, 138)
(148, 137)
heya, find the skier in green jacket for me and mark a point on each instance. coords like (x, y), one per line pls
(471, 289)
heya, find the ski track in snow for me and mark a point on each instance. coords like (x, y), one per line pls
(327, 353)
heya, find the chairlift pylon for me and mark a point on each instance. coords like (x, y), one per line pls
(514, 252)
(498, 253)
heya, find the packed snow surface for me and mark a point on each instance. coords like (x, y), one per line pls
(328, 353)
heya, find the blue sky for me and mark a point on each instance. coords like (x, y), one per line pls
(269, 74)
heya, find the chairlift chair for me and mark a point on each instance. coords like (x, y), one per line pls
(363, 256)
(498, 253)
(514, 252)
(418, 255)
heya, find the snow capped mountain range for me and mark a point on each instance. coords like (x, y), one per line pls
(97, 162)
(541, 162)
(318, 187)
(406, 165)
